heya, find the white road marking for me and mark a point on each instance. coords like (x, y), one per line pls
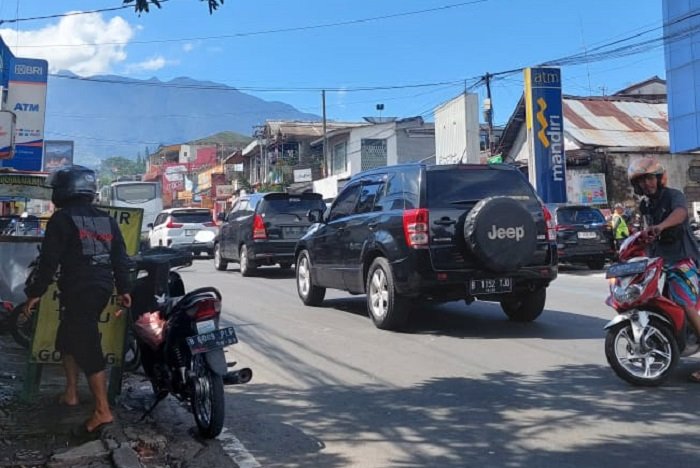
(235, 449)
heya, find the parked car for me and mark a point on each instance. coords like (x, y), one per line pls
(262, 229)
(176, 228)
(412, 233)
(583, 235)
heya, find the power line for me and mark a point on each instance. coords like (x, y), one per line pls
(72, 13)
(270, 31)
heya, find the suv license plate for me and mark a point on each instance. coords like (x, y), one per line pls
(213, 340)
(190, 232)
(587, 235)
(293, 231)
(490, 286)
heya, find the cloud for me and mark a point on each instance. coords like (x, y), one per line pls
(187, 47)
(79, 29)
(151, 64)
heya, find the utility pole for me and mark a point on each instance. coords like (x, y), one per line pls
(488, 105)
(325, 137)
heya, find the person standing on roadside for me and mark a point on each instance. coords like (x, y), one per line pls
(619, 226)
(665, 218)
(85, 245)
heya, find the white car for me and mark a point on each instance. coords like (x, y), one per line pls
(177, 227)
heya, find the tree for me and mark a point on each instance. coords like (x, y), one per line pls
(141, 6)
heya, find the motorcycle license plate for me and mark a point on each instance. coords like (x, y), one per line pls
(490, 286)
(625, 269)
(212, 340)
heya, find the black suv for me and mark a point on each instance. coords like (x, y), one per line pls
(262, 229)
(583, 236)
(418, 232)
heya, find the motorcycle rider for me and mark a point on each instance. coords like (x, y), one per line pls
(665, 217)
(86, 244)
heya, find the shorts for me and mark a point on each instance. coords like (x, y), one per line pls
(682, 280)
(78, 335)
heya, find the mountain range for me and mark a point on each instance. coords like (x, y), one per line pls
(116, 116)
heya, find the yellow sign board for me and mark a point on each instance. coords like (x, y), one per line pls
(112, 327)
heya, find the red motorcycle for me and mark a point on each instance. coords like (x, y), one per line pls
(650, 332)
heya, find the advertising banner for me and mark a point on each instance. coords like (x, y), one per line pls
(7, 134)
(30, 186)
(57, 153)
(224, 191)
(112, 324)
(26, 97)
(545, 133)
(588, 189)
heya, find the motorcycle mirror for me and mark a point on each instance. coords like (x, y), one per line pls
(204, 237)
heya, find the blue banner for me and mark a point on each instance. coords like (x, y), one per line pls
(545, 125)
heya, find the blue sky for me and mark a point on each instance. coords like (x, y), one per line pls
(448, 45)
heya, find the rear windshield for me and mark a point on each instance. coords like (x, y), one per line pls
(191, 217)
(446, 188)
(135, 193)
(579, 216)
(292, 205)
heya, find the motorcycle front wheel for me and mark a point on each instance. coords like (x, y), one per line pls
(651, 364)
(207, 398)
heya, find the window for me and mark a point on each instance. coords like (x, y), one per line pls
(579, 216)
(135, 193)
(192, 217)
(339, 164)
(394, 198)
(373, 153)
(345, 203)
(370, 194)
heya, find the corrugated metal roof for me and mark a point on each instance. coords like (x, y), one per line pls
(611, 122)
(306, 129)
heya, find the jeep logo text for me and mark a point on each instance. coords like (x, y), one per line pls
(516, 233)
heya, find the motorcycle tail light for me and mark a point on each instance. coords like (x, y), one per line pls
(205, 310)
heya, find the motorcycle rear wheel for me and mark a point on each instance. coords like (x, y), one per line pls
(207, 398)
(650, 369)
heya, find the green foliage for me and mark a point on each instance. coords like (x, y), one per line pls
(141, 6)
(117, 166)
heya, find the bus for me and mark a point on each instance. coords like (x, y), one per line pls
(135, 194)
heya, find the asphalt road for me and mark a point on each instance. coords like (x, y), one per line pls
(462, 387)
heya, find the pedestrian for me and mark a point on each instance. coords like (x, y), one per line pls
(619, 225)
(86, 246)
(665, 218)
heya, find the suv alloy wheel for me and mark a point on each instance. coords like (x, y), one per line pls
(387, 309)
(246, 264)
(525, 307)
(309, 293)
(219, 263)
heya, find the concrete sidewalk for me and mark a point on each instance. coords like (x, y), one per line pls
(41, 433)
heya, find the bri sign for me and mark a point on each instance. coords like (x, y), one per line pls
(545, 133)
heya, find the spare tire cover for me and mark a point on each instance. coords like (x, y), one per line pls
(501, 233)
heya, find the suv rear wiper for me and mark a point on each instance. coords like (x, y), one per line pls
(464, 202)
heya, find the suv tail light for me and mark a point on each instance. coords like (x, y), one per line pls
(549, 224)
(259, 231)
(415, 228)
(205, 310)
(172, 225)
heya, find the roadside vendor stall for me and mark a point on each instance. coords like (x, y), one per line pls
(20, 232)
(19, 246)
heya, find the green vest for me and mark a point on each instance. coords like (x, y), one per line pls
(620, 227)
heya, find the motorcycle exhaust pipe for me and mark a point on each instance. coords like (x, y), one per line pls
(238, 377)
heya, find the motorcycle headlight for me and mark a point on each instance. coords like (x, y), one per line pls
(627, 294)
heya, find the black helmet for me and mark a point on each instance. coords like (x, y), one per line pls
(72, 183)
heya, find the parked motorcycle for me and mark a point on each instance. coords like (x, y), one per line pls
(180, 341)
(650, 333)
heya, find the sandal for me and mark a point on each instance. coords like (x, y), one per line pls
(694, 377)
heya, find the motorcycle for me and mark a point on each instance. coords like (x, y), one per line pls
(650, 333)
(180, 341)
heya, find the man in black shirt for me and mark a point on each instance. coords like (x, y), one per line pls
(89, 249)
(665, 215)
